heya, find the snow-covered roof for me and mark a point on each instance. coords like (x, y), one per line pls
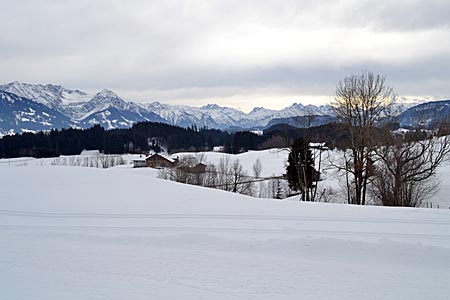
(90, 152)
(172, 160)
(139, 159)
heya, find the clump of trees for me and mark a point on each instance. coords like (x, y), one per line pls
(393, 170)
(95, 161)
(228, 175)
(405, 173)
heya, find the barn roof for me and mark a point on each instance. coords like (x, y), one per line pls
(172, 160)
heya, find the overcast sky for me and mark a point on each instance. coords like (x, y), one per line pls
(235, 53)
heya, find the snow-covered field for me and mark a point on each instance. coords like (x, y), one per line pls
(122, 233)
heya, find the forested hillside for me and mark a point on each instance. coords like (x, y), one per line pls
(145, 136)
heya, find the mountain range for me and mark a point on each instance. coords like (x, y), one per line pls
(31, 107)
(80, 109)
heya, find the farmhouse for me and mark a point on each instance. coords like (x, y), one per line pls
(155, 160)
(160, 161)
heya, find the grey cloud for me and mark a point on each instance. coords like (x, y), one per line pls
(383, 15)
(151, 45)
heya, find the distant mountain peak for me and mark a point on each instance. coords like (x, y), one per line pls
(211, 106)
(55, 86)
(258, 108)
(107, 93)
(295, 104)
(12, 83)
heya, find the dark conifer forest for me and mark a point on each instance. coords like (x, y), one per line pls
(145, 136)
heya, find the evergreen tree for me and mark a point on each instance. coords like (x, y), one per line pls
(300, 169)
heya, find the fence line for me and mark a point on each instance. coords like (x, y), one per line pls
(10, 161)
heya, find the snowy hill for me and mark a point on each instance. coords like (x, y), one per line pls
(121, 233)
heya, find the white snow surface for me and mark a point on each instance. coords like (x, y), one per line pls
(121, 233)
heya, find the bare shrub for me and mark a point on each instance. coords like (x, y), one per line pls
(406, 171)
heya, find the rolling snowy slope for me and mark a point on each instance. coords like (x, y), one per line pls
(84, 233)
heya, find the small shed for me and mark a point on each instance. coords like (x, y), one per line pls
(218, 149)
(139, 163)
(198, 168)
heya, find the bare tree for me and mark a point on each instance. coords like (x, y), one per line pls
(308, 118)
(406, 171)
(239, 180)
(166, 173)
(360, 102)
(257, 169)
(223, 173)
(272, 186)
(210, 179)
(200, 157)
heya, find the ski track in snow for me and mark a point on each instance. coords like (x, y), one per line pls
(121, 233)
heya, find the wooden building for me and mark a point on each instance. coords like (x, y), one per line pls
(199, 168)
(139, 163)
(160, 161)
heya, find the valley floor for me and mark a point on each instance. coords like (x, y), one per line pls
(121, 233)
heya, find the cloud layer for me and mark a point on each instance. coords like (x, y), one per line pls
(240, 53)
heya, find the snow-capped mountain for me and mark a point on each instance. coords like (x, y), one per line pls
(215, 116)
(53, 96)
(81, 109)
(84, 110)
(112, 111)
(304, 121)
(18, 114)
(183, 116)
(263, 116)
(425, 114)
(109, 110)
(211, 115)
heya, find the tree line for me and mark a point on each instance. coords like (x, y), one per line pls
(145, 136)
